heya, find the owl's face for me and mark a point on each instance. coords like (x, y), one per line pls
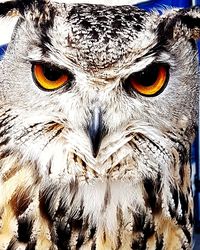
(99, 92)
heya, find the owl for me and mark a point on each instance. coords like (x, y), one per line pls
(98, 110)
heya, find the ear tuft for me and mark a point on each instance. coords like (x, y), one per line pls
(182, 23)
(19, 5)
(7, 7)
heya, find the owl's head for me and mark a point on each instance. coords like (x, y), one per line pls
(99, 91)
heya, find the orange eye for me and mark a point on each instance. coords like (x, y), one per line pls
(151, 81)
(48, 77)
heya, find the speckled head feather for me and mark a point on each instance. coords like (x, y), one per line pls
(98, 110)
(21, 5)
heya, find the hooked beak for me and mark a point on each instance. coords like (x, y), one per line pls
(95, 131)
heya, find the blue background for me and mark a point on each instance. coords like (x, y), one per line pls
(2, 50)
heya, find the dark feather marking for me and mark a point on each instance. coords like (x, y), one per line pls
(5, 153)
(149, 229)
(136, 245)
(183, 247)
(172, 211)
(184, 206)
(84, 165)
(182, 172)
(107, 198)
(92, 237)
(75, 157)
(31, 245)
(104, 236)
(191, 219)
(52, 138)
(80, 241)
(139, 222)
(181, 220)
(93, 247)
(51, 126)
(184, 203)
(175, 196)
(92, 232)
(19, 5)
(141, 136)
(146, 228)
(27, 132)
(120, 224)
(141, 242)
(25, 227)
(162, 38)
(65, 228)
(152, 189)
(72, 13)
(4, 142)
(180, 147)
(56, 134)
(73, 189)
(134, 145)
(46, 201)
(159, 242)
(187, 234)
(76, 224)
(12, 245)
(49, 166)
(160, 47)
(45, 25)
(6, 120)
(73, 186)
(85, 24)
(20, 201)
(35, 125)
(183, 156)
(62, 208)
(63, 231)
(5, 131)
(5, 111)
(81, 236)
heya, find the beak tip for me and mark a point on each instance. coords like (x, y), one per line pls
(95, 152)
(94, 155)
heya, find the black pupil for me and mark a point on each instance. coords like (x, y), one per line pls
(148, 76)
(51, 74)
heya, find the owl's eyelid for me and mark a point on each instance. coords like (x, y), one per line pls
(49, 64)
(54, 66)
(143, 63)
(165, 64)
